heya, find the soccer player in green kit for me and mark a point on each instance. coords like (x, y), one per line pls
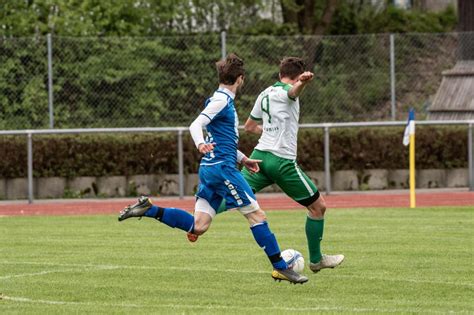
(275, 117)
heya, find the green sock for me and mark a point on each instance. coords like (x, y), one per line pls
(314, 234)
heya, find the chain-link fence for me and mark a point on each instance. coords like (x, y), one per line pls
(152, 82)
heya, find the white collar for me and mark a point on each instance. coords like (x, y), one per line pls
(227, 91)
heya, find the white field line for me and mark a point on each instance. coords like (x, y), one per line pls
(113, 267)
(35, 274)
(28, 300)
(225, 307)
(45, 272)
(460, 284)
(132, 267)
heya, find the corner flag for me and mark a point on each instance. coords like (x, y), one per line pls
(409, 139)
(410, 128)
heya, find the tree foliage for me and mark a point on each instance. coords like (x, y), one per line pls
(20, 18)
(123, 18)
(151, 62)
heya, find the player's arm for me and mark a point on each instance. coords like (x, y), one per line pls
(250, 164)
(196, 133)
(252, 126)
(206, 116)
(298, 87)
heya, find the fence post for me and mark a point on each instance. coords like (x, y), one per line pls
(470, 148)
(180, 164)
(50, 81)
(223, 44)
(327, 165)
(392, 76)
(30, 167)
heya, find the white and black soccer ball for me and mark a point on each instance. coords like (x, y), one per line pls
(294, 259)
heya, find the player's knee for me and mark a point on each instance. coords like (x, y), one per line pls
(260, 215)
(202, 222)
(318, 208)
(322, 207)
(256, 217)
(200, 229)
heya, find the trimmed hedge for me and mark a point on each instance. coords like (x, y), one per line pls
(128, 154)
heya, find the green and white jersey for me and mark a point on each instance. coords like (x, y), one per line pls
(279, 114)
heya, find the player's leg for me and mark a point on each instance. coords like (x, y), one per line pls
(314, 225)
(208, 199)
(256, 181)
(263, 235)
(314, 234)
(203, 215)
(262, 179)
(173, 217)
(238, 194)
(268, 242)
(298, 186)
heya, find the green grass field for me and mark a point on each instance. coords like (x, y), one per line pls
(397, 261)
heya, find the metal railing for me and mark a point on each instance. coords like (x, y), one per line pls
(180, 130)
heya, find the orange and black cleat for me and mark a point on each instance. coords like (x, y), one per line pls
(192, 237)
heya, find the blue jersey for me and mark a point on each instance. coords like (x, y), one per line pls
(222, 129)
(219, 179)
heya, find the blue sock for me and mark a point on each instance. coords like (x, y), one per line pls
(266, 240)
(175, 218)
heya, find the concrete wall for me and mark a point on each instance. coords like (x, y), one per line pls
(168, 184)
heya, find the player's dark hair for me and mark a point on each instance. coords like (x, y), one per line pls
(229, 69)
(291, 67)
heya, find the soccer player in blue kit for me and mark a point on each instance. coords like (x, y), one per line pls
(219, 178)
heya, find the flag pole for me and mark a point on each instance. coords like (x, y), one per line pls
(409, 139)
(412, 168)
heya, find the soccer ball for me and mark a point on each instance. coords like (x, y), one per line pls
(294, 259)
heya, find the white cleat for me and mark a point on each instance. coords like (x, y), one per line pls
(327, 261)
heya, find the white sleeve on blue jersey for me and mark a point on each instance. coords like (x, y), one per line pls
(213, 108)
(196, 129)
(256, 113)
(206, 116)
(240, 156)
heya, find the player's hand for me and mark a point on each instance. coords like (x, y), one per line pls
(206, 147)
(306, 76)
(251, 164)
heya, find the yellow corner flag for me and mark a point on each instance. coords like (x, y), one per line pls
(409, 139)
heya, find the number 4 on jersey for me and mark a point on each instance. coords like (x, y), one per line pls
(266, 102)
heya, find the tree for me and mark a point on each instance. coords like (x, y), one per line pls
(123, 18)
(311, 16)
(75, 18)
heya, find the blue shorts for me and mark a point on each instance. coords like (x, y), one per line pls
(222, 181)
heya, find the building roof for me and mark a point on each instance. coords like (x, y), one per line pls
(455, 96)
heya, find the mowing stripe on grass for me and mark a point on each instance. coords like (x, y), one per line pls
(460, 284)
(136, 267)
(222, 307)
(114, 267)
